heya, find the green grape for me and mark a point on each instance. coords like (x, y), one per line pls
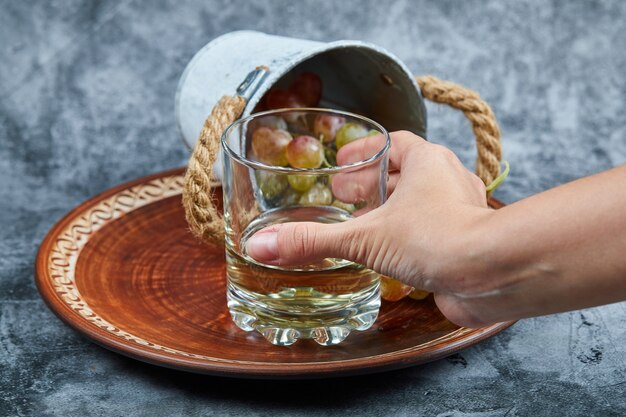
(269, 146)
(289, 198)
(326, 126)
(349, 133)
(318, 195)
(350, 208)
(271, 185)
(305, 152)
(301, 183)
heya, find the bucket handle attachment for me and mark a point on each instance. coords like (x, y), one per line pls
(207, 223)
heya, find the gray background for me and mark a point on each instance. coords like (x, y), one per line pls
(87, 101)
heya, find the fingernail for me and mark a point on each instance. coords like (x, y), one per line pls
(263, 246)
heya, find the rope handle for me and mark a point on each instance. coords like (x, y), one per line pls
(207, 223)
(480, 115)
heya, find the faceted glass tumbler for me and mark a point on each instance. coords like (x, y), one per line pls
(296, 165)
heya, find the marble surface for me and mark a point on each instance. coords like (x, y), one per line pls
(87, 101)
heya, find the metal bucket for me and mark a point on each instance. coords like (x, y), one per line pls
(357, 77)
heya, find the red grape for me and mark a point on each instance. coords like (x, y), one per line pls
(273, 122)
(283, 99)
(305, 152)
(269, 145)
(326, 126)
(308, 87)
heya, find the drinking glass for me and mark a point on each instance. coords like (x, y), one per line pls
(272, 175)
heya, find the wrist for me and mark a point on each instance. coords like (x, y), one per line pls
(470, 268)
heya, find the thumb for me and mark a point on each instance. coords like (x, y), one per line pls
(300, 243)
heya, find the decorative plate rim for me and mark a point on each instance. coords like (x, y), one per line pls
(54, 276)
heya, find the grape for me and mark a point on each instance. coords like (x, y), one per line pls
(271, 185)
(308, 87)
(326, 126)
(305, 152)
(290, 197)
(301, 183)
(283, 99)
(269, 145)
(349, 133)
(350, 208)
(318, 195)
(418, 294)
(273, 122)
(393, 290)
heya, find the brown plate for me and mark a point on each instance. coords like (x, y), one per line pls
(123, 269)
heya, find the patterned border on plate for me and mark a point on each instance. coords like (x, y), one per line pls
(70, 241)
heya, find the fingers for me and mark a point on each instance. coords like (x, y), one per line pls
(363, 186)
(459, 311)
(367, 147)
(360, 186)
(301, 243)
(394, 177)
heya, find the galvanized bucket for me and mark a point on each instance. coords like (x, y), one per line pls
(357, 77)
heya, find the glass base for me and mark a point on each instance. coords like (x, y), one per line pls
(284, 328)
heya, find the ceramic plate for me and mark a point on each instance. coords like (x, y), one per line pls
(123, 270)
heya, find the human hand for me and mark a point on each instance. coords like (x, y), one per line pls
(435, 210)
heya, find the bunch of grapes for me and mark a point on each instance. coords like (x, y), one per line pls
(299, 141)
